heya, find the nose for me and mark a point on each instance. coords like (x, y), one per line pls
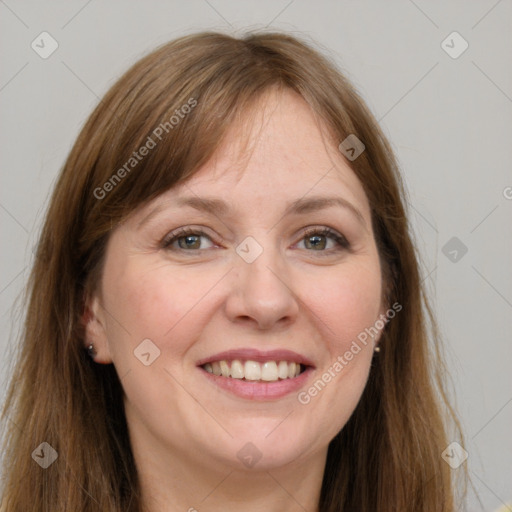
(261, 294)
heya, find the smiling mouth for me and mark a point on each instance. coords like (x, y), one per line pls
(254, 371)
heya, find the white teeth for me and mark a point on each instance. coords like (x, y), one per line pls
(282, 370)
(216, 368)
(237, 369)
(224, 368)
(269, 371)
(252, 370)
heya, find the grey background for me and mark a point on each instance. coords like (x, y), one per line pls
(449, 120)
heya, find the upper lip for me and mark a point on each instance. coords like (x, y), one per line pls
(252, 354)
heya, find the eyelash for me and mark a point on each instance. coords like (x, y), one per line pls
(327, 232)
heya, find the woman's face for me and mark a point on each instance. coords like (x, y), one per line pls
(254, 266)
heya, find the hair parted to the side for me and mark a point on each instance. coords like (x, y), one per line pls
(388, 456)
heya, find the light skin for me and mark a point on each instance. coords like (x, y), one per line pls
(305, 292)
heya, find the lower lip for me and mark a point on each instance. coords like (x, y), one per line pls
(258, 390)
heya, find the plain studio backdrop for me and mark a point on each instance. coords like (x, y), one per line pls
(436, 75)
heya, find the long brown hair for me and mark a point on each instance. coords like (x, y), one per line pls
(387, 457)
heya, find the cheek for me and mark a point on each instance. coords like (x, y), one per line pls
(345, 305)
(153, 303)
(347, 302)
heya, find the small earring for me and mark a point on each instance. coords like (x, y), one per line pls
(376, 349)
(91, 351)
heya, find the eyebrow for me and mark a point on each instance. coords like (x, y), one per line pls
(214, 206)
(301, 206)
(312, 204)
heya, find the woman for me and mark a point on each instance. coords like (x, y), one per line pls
(225, 309)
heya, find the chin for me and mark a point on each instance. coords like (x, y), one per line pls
(264, 444)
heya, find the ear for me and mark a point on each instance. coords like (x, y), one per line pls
(93, 320)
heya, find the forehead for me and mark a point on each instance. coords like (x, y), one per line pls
(279, 149)
(277, 153)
